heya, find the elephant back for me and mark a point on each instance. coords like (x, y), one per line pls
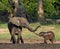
(19, 21)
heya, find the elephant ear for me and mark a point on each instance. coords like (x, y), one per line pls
(23, 22)
(15, 21)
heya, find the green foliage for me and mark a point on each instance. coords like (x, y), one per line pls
(4, 5)
(51, 8)
(31, 8)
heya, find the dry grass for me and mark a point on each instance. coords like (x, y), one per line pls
(4, 33)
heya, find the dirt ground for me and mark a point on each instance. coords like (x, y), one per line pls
(30, 41)
(29, 44)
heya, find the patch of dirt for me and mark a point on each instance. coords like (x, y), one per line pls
(25, 41)
(31, 41)
(29, 46)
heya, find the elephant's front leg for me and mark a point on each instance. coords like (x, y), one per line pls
(13, 35)
(45, 41)
(19, 36)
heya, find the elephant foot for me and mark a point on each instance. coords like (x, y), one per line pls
(13, 40)
(17, 41)
(21, 40)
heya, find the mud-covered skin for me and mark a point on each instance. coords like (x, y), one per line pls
(48, 36)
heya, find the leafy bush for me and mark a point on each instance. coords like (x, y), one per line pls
(51, 8)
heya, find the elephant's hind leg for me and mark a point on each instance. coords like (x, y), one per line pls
(18, 37)
(21, 39)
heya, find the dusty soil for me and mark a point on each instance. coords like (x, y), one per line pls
(30, 41)
(29, 44)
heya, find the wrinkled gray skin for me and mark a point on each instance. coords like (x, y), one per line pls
(49, 35)
(15, 25)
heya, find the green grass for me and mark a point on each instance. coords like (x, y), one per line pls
(57, 32)
(30, 35)
(5, 36)
(3, 25)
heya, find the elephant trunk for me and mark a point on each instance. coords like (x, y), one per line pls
(34, 29)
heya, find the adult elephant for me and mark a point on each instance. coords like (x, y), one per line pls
(15, 25)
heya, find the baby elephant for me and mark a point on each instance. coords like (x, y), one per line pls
(47, 36)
